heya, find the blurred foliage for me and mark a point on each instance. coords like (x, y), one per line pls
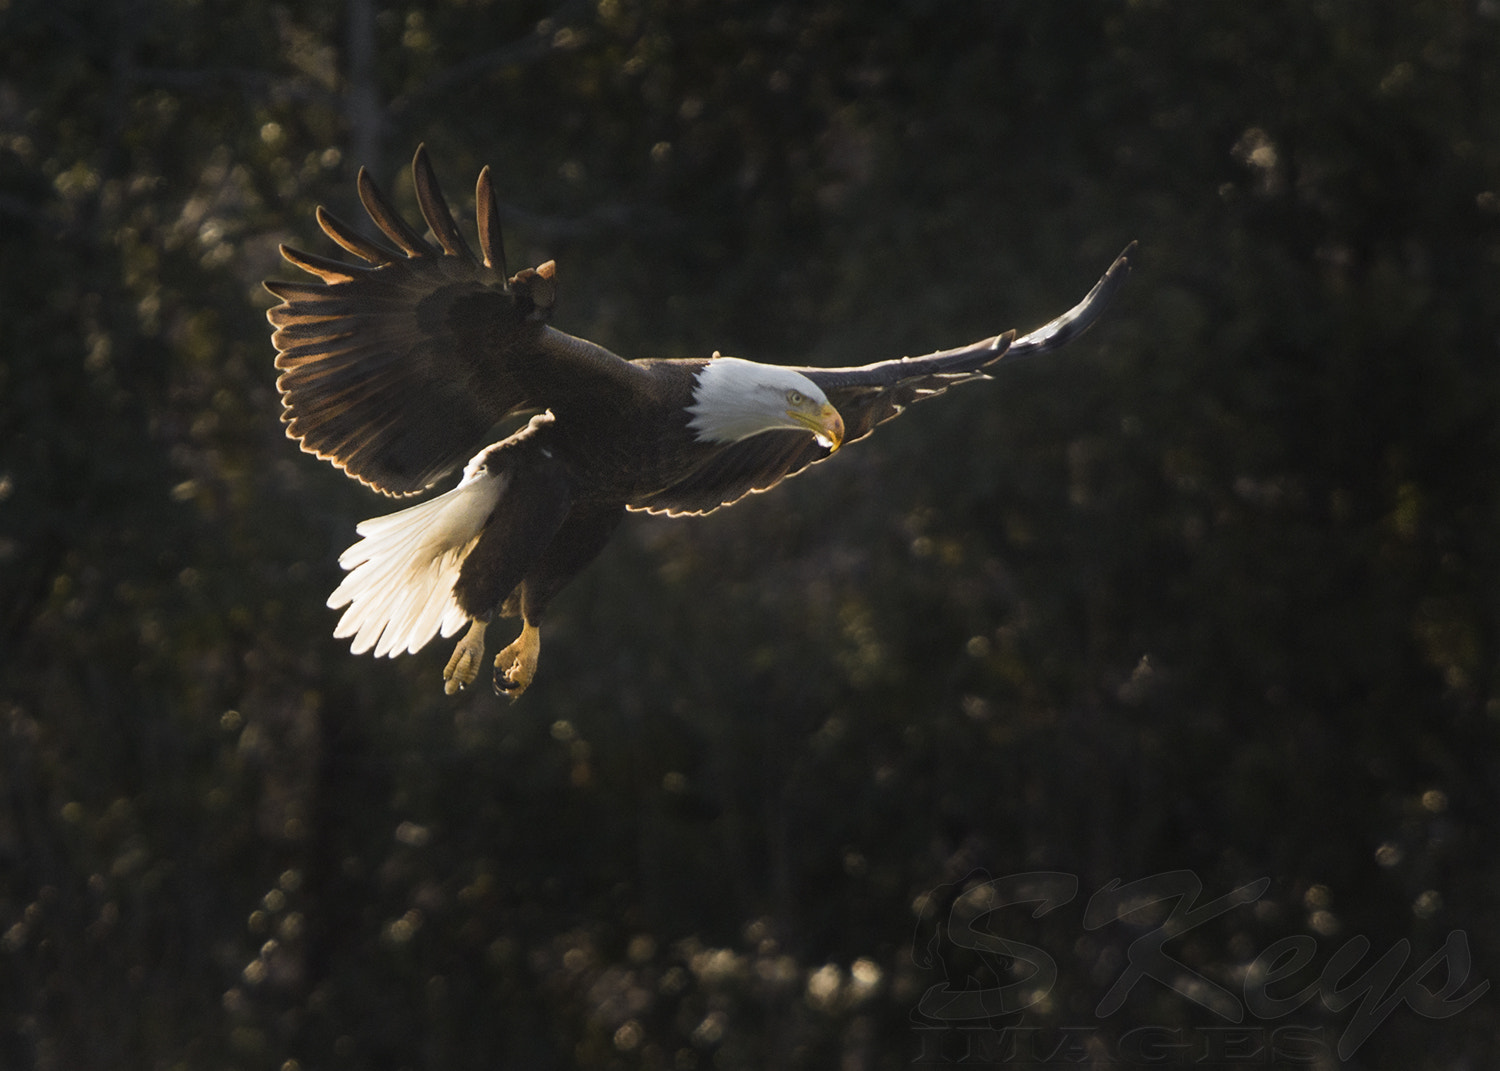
(1217, 589)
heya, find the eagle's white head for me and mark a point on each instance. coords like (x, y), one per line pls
(734, 399)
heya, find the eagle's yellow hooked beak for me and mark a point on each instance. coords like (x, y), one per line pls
(824, 422)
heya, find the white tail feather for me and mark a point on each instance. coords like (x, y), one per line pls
(399, 591)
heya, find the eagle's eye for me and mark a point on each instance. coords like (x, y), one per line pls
(794, 397)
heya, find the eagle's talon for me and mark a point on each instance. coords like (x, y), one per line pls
(516, 665)
(463, 666)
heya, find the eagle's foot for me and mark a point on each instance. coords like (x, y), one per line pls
(463, 667)
(516, 665)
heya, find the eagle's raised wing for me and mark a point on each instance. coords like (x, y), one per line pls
(395, 370)
(874, 393)
(871, 394)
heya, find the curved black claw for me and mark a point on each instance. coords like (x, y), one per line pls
(505, 687)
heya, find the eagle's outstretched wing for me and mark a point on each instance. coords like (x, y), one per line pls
(395, 370)
(871, 394)
(874, 393)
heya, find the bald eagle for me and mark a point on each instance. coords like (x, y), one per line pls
(397, 368)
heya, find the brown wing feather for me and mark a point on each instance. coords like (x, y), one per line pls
(387, 218)
(754, 464)
(395, 370)
(488, 213)
(351, 240)
(435, 209)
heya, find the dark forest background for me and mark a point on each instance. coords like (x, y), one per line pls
(1209, 600)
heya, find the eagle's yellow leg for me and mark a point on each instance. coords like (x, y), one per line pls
(463, 667)
(516, 665)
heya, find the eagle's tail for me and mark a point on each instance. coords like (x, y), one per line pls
(399, 591)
